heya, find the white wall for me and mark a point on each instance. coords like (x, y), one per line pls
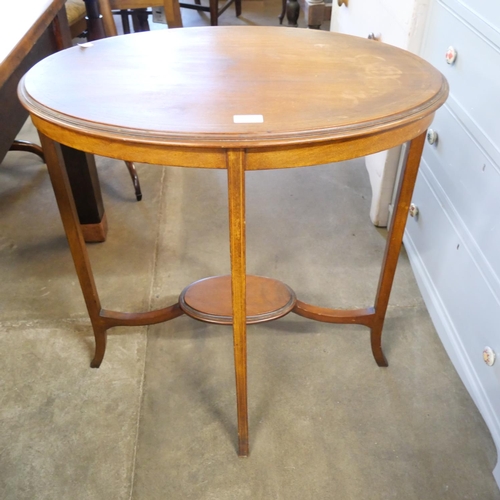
(399, 23)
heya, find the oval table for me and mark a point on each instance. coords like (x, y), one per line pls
(239, 99)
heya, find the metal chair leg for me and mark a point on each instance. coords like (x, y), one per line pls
(29, 147)
(135, 179)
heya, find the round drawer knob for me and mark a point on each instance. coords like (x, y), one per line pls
(451, 55)
(432, 136)
(489, 356)
(413, 210)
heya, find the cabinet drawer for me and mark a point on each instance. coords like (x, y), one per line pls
(471, 182)
(487, 10)
(467, 299)
(475, 74)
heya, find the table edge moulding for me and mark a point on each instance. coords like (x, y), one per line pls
(354, 98)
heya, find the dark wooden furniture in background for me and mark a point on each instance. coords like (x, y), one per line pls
(108, 7)
(40, 34)
(213, 8)
(77, 20)
(101, 24)
(41, 31)
(315, 12)
(139, 11)
(221, 105)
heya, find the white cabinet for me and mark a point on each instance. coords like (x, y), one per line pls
(399, 23)
(454, 244)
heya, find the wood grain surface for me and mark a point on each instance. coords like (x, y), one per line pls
(170, 97)
(210, 300)
(184, 86)
(22, 26)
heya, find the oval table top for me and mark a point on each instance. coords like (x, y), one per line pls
(202, 87)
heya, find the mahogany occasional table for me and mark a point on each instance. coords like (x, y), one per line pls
(233, 98)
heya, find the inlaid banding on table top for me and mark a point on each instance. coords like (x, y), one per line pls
(209, 300)
(335, 87)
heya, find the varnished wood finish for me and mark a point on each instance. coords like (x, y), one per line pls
(358, 89)
(62, 189)
(95, 233)
(178, 156)
(107, 18)
(237, 243)
(28, 147)
(374, 317)
(41, 30)
(84, 181)
(60, 28)
(23, 43)
(331, 151)
(114, 318)
(95, 26)
(172, 11)
(101, 319)
(394, 241)
(213, 8)
(18, 38)
(343, 316)
(210, 300)
(361, 98)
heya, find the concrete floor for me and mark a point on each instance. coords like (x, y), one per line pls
(158, 419)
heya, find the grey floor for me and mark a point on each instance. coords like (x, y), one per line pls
(157, 420)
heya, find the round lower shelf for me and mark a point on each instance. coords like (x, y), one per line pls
(210, 300)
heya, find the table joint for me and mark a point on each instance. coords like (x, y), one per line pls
(364, 316)
(110, 319)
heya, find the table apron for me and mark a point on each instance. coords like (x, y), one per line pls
(309, 154)
(142, 152)
(257, 158)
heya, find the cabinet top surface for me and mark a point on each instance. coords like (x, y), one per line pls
(186, 86)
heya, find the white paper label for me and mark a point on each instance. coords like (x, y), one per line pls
(248, 118)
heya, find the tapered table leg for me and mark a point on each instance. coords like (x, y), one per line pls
(394, 241)
(67, 208)
(236, 188)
